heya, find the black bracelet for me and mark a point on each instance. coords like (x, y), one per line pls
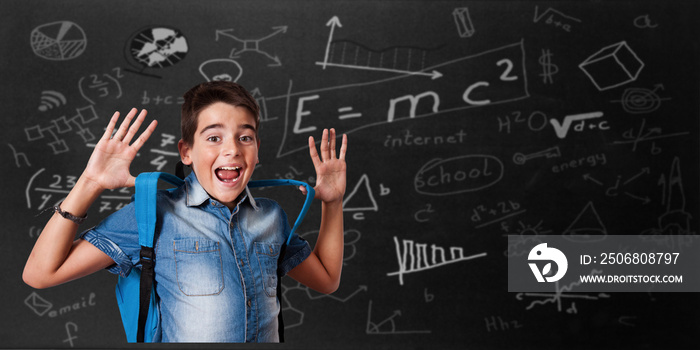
(67, 215)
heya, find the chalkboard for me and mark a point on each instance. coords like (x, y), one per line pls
(467, 122)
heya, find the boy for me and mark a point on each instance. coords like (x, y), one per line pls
(216, 247)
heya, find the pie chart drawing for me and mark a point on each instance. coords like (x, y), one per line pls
(58, 41)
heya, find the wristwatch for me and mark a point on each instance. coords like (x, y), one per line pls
(69, 216)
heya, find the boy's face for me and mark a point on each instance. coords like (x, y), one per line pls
(224, 151)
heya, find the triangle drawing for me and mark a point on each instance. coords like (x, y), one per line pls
(361, 197)
(587, 227)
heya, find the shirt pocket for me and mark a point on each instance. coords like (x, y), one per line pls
(198, 266)
(268, 254)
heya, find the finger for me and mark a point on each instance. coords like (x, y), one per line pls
(313, 153)
(110, 126)
(135, 126)
(121, 132)
(343, 147)
(324, 146)
(131, 181)
(145, 135)
(332, 141)
(302, 189)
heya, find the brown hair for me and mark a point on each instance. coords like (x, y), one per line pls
(205, 94)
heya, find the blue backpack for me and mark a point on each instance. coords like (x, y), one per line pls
(136, 297)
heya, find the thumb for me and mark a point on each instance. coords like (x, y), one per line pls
(130, 182)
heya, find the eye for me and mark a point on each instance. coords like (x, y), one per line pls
(213, 138)
(246, 138)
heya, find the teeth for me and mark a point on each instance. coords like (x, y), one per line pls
(230, 168)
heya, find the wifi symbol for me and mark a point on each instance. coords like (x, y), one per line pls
(51, 99)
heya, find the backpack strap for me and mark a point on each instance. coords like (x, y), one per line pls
(310, 193)
(146, 192)
(145, 206)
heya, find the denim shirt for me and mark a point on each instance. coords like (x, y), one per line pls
(216, 270)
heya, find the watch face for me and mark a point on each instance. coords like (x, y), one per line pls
(156, 47)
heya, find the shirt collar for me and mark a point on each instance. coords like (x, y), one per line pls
(196, 195)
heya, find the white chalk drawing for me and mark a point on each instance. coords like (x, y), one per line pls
(673, 229)
(465, 27)
(496, 323)
(509, 71)
(252, 45)
(618, 188)
(627, 320)
(51, 99)
(57, 188)
(162, 156)
(552, 152)
(586, 227)
(414, 257)
(674, 198)
(387, 326)
(598, 66)
(42, 307)
(640, 100)
(60, 185)
(100, 86)
(347, 113)
(645, 134)
(527, 236)
(221, 69)
(536, 121)
(353, 55)
(469, 173)
(561, 293)
(312, 295)
(58, 41)
(18, 156)
(70, 328)
(61, 126)
(485, 215)
(29, 186)
(644, 22)
(562, 129)
(260, 98)
(34, 232)
(556, 18)
(294, 316)
(362, 201)
(423, 215)
(36, 303)
(548, 68)
(155, 47)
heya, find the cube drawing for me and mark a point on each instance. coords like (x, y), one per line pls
(612, 66)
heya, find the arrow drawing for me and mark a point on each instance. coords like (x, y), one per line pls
(374, 328)
(333, 22)
(252, 45)
(394, 59)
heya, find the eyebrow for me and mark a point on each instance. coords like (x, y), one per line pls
(221, 126)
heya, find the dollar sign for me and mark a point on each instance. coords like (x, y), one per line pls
(548, 68)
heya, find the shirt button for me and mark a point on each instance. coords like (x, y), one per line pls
(249, 303)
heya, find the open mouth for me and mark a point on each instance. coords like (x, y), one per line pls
(228, 174)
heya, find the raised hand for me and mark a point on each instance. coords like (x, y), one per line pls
(109, 163)
(330, 170)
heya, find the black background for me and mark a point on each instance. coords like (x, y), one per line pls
(633, 170)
